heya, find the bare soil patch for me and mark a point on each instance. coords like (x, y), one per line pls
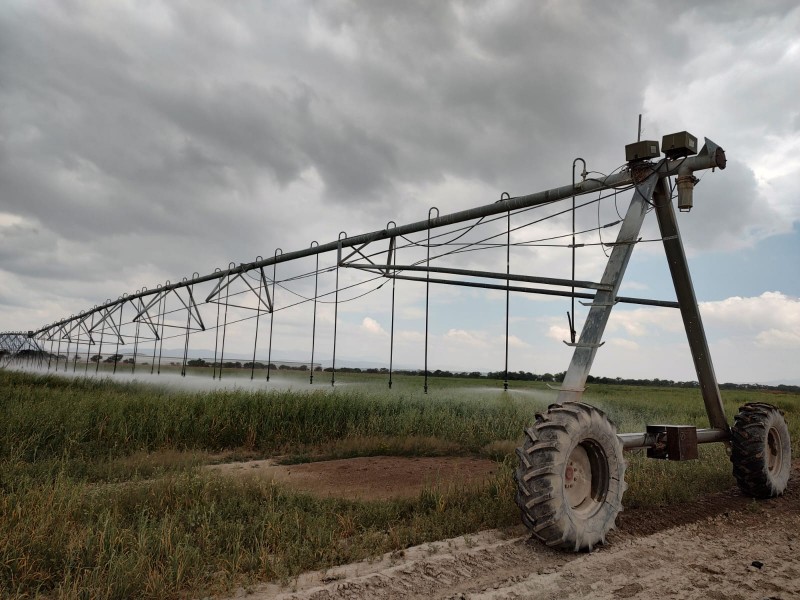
(369, 478)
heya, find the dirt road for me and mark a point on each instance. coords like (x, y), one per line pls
(723, 546)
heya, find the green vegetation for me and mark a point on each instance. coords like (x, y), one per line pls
(102, 494)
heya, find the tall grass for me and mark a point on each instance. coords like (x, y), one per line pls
(47, 416)
(101, 495)
(194, 531)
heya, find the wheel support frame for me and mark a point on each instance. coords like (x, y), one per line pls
(651, 192)
(661, 441)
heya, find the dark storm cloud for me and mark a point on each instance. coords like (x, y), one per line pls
(168, 135)
(473, 91)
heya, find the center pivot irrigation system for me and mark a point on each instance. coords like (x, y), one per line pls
(571, 469)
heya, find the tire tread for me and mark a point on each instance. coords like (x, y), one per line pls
(540, 494)
(749, 453)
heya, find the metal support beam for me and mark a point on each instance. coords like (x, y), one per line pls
(590, 340)
(632, 441)
(589, 285)
(690, 312)
(540, 291)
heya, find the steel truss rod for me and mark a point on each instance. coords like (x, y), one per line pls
(15, 342)
(162, 293)
(78, 323)
(542, 291)
(216, 293)
(108, 319)
(711, 156)
(145, 316)
(61, 331)
(589, 285)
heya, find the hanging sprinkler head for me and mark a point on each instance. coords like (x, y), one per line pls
(686, 192)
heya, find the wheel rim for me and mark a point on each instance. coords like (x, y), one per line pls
(586, 478)
(774, 450)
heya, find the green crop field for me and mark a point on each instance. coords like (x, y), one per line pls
(102, 494)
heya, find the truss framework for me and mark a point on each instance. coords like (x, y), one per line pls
(376, 253)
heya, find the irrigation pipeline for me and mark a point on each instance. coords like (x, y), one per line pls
(372, 257)
(622, 179)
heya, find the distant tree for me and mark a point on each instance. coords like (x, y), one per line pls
(113, 358)
(96, 358)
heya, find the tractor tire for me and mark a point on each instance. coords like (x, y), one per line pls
(761, 451)
(570, 477)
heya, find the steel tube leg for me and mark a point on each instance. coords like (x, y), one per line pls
(690, 312)
(589, 341)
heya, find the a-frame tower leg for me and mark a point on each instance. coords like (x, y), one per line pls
(590, 340)
(690, 311)
(592, 333)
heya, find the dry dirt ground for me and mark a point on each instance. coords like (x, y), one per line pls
(724, 546)
(367, 478)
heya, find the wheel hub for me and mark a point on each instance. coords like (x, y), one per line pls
(774, 450)
(578, 479)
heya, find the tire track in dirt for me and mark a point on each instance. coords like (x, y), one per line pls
(710, 548)
(436, 570)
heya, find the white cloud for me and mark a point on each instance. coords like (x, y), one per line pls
(641, 322)
(462, 336)
(735, 317)
(515, 342)
(558, 333)
(753, 198)
(771, 311)
(9, 220)
(778, 338)
(372, 327)
(341, 43)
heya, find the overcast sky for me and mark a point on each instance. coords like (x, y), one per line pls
(143, 141)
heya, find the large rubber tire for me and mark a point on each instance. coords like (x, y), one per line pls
(570, 477)
(761, 451)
